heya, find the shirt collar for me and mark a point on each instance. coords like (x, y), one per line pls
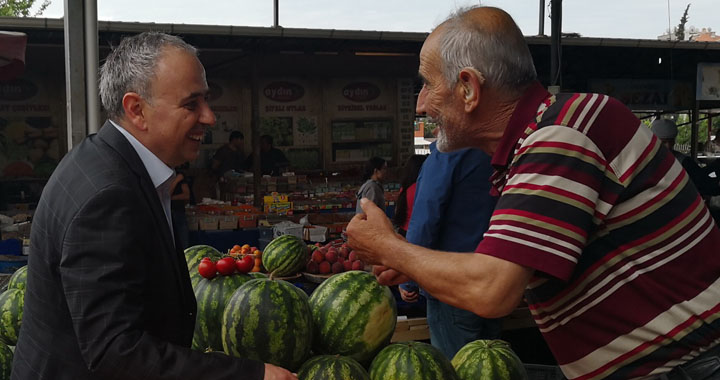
(159, 172)
(524, 112)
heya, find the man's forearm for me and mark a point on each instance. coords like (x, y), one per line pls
(485, 285)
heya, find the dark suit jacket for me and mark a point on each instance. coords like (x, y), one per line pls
(108, 296)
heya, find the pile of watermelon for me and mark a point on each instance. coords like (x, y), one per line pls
(11, 311)
(341, 332)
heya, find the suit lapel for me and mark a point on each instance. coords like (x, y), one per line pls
(111, 136)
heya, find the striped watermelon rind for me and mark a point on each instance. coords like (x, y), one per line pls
(257, 275)
(332, 367)
(195, 254)
(353, 316)
(286, 255)
(212, 295)
(6, 357)
(18, 280)
(268, 320)
(488, 359)
(412, 361)
(11, 311)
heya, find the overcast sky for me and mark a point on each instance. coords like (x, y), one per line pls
(591, 18)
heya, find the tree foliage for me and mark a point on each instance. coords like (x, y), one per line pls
(680, 32)
(22, 8)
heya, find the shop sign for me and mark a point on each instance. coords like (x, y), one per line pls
(19, 89)
(361, 92)
(708, 81)
(642, 94)
(283, 91)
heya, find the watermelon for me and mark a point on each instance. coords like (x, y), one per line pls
(257, 275)
(412, 361)
(268, 320)
(11, 311)
(18, 279)
(488, 359)
(212, 295)
(285, 256)
(193, 256)
(353, 316)
(6, 357)
(332, 367)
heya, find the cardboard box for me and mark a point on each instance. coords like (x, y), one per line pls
(208, 223)
(411, 329)
(247, 220)
(228, 222)
(192, 221)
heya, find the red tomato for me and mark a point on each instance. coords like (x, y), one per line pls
(226, 266)
(245, 263)
(206, 259)
(207, 269)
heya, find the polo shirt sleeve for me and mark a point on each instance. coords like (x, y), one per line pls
(550, 202)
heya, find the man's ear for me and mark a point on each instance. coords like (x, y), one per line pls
(470, 85)
(134, 107)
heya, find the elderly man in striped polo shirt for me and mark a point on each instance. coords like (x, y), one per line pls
(597, 226)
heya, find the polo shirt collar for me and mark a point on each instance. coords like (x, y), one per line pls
(158, 171)
(525, 111)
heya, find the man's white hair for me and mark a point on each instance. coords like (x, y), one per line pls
(501, 56)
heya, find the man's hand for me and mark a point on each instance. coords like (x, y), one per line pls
(388, 276)
(369, 232)
(277, 373)
(408, 296)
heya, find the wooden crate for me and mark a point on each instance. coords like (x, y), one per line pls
(411, 329)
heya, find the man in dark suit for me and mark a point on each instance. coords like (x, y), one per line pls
(108, 293)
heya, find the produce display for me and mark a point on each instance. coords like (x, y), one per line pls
(268, 320)
(11, 311)
(285, 256)
(334, 257)
(488, 359)
(412, 361)
(6, 357)
(353, 315)
(332, 367)
(212, 295)
(347, 321)
(18, 279)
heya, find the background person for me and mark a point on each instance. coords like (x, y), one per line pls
(666, 130)
(452, 211)
(406, 198)
(597, 227)
(108, 292)
(230, 156)
(272, 160)
(373, 174)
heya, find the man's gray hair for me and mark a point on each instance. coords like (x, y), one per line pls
(131, 68)
(502, 56)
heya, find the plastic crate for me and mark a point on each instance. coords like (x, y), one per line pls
(544, 372)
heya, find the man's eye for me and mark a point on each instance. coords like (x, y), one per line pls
(191, 105)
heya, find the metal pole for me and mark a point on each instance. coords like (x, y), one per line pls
(75, 72)
(541, 19)
(555, 42)
(91, 66)
(255, 131)
(276, 11)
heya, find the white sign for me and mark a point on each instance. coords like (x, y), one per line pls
(708, 81)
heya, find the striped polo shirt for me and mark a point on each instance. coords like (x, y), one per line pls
(625, 252)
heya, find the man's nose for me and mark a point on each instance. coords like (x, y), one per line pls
(207, 116)
(420, 106)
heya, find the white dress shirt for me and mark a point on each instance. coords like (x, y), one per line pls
(161, 175)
